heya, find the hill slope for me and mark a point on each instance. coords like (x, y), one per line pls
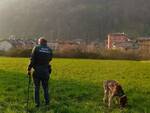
(88, 19)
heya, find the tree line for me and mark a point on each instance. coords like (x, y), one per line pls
(70, 19)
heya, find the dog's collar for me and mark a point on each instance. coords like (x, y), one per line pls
(121, 93)
(123, 96)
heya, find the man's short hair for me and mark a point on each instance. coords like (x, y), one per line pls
(42, 40)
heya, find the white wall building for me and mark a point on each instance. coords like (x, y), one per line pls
(5, 45)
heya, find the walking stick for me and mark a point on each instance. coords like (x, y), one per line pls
(28, 95)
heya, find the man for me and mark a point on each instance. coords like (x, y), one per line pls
(40, 58)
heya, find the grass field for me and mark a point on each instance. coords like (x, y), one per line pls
(76, 86)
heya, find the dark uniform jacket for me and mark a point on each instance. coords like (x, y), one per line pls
(40, 57)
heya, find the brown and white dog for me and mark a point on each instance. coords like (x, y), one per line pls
(113, 89)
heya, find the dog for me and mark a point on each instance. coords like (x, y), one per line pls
(113, 89)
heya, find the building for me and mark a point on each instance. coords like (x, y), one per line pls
(143, 42)
(120, 41)
(8, 44)
(126, 45)
(53, 45)
(94, 46)
(114, 38)
(67, 45)
(5, 45)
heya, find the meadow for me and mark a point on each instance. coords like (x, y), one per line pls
(76, 86)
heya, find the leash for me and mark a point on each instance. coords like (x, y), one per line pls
(28, 94)
(123, 96)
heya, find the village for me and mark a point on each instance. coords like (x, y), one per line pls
(114, 41)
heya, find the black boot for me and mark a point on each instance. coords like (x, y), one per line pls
(46, 103)
(37, 105)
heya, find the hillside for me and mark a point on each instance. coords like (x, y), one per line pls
(86, 19)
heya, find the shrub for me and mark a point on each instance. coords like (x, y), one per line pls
(18, 53)
(78, 53)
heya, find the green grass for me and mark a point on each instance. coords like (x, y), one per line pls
(76, 86)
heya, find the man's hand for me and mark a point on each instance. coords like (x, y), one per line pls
(49, 69)
(29, 72)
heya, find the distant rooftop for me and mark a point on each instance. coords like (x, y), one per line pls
(143, 39)
(118, 34)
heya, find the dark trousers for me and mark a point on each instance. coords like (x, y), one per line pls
(41, 77)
